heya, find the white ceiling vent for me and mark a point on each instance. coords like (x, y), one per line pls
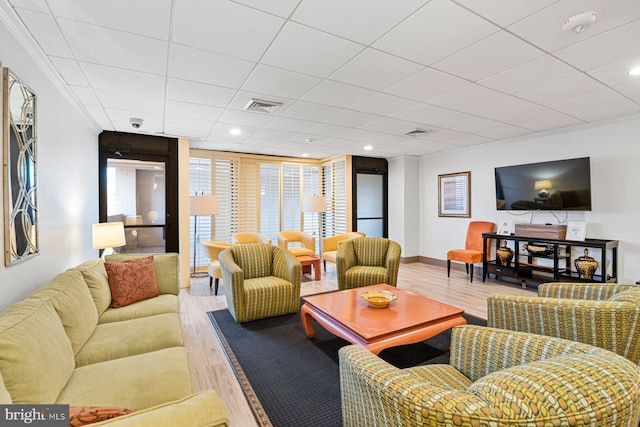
(262, 106)
(417, 132)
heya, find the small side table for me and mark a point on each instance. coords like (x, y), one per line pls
(309, 261)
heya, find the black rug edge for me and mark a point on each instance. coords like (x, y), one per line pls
(252, 399)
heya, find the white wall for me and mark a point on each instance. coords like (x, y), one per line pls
(615, 178)
(67, 181)
(404, 204)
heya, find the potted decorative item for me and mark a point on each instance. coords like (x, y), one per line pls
(586, 266)
(504, 255)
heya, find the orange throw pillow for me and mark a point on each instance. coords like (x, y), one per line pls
(131, 281)
(83, 415)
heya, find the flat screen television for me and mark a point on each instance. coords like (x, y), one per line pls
(563, 185)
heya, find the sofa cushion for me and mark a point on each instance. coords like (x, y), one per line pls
(115, 340)
(36, 358)
(631, 295)
(95, 276)
(5, 397)
(131, 281)
(167, 303)
(84, 415)
(72, 301)
(134, 382)
(445, 376)
(167, 269)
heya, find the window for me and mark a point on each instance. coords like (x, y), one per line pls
(199, 183)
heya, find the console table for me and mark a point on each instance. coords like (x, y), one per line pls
(527, 266)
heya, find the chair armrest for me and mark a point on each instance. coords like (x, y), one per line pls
(233, 278)
(590, 291)
(331, 243)
(392, 262)
(345, 259)
(198, 410)
(308, 241)
(576, 320)
(496, 349)
(282, 242)
(286, 266)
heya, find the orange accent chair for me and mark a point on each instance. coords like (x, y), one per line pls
(472, 252)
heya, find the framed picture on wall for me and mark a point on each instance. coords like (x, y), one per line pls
(454, 195)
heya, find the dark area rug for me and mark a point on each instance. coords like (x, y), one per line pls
(293, 381)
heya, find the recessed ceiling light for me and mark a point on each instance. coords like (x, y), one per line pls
(235, 131)
(635, 71)
(305, 155)
(368, 147)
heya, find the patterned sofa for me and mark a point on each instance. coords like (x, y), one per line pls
(260, 281)
(606, 315)
(495, 378)
(366, 261)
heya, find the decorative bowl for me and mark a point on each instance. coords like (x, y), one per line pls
(378, 299)
(539, 250)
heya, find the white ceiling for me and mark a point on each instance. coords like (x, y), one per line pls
(349, 73)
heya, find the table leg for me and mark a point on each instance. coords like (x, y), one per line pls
(316, 267)
(306, 321)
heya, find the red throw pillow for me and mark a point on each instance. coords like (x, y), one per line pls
(83, 415)
(131, 281)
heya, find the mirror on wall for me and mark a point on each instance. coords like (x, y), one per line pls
(19, 144)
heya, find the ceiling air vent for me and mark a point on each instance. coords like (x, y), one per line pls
(262, 106)
(418, 132)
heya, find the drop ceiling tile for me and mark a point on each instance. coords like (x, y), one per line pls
(431, 115)
(98, 113)
(120, 119)
(360, 135)
(466, 97)
(279, 82)
(361, 20)
(617, 73)
(374, 69)
(426, 85)
(119, 80)
(245, 118)
(205, 67)
(309, 111)
(213, 26)
(495, 10)
(198, 93)
(529, 75)
(277, 7)
(494, 54)
(544, 28)
(555, 121)
(327, 130)
(194, 125)
(45, 31)
(193, 111)
(275, 135)
(101, 45)
(561, 89)
(336, 94)
(383, 104)
(222, 129)
(389, 125)
(584, 100)
(511, 110)
(290, 125)
(191, 134)
(491, 129)
(615, 109)
(133, 16)
(630, 89)
(125, 101)
(86, 95)
(36, 5)
(308, 51)
(612, 46)
(350, 118)
(436, 31)
(70, 71)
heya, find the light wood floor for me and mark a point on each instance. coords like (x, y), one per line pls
(211, 370)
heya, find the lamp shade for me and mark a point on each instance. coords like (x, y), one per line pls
(204, 205)
(108, 235)
(314, 204)
(543, 185)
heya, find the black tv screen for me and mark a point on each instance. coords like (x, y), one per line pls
(556, 185)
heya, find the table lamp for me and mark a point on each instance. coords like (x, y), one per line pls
(108, 235)
(543, 186)
(201, 205)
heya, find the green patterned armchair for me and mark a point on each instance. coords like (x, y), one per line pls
(365, 261)
(260, 281)
(606, 315)
(494, 378)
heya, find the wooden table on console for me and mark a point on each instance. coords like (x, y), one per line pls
(307, 262)
(407, 320)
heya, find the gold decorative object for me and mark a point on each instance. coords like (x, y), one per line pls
(586, 266)
(504, 255)
(378, 299)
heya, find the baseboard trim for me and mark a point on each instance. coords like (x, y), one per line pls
(410, 259)
(454, 265)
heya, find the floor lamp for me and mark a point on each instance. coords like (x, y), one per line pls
(315, 204)
(201, 205)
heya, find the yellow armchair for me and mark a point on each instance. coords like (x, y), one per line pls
(250, 237)
(366, 261)
(307, 241)
(213, 250)
(330, 246)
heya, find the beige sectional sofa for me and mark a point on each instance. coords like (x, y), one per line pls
(64, 344)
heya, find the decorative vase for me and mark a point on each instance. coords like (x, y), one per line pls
(504, 255)
(586, 266)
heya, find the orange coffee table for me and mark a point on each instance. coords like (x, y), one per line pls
(407, 320)
(310, 260)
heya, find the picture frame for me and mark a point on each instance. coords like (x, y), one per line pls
(576, 230)
(506, 227)
(454, 195)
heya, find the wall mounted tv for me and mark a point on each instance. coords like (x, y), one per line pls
(556, 185)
